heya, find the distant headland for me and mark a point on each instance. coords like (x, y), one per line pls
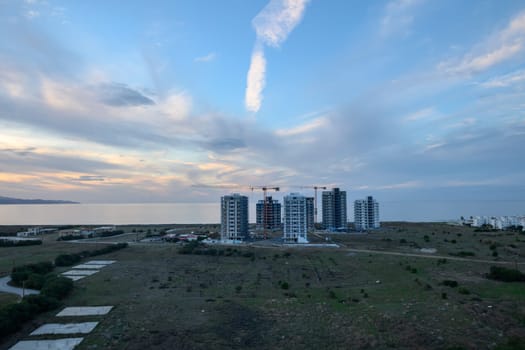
(8, 200)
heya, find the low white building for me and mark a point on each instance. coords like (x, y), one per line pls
(496, 222)
(103, 229)
(35, 231)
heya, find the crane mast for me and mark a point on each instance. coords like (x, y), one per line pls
(265, 190)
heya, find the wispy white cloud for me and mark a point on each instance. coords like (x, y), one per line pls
(499, 47)
(420, 114)
(255, 81)
(207, 58)
(398, 17)
(31, 14)
(277, 20)
(307, 127)
(272, 25)
(505, 80)
(401, 185)
(467, 122)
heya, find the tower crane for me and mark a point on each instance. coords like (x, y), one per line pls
(265, 204)
(315, 187)
(265, 190)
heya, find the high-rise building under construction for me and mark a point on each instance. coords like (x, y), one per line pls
(268, 214)
(334, 210)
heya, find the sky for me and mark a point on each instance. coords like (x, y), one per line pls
(183, 101)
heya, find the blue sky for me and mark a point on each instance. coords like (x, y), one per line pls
(111, 101)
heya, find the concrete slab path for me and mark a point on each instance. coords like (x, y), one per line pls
(89, 266)
(57, 344)
(65, 328)
(80, 272)
(100, 262)
(85, 311)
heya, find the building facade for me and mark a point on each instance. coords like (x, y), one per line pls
(310, 218)
(295, 219)
(334, 210)
(366, 214)
(268, 215)
(234, 217)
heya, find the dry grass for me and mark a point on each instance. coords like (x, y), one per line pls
(166, 300)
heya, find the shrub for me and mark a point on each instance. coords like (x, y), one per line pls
(514, 343)
(441, 261)
(504, 274)
(70, 237)
(463, 254)
(285, 285)
(67, 259)
(21, 273)
(450, 283)
(57, 286)
(248, 254)
(108, 249)
(12, 243)
(13, 316)
(463, 290)
(189, 247)
(35, 281)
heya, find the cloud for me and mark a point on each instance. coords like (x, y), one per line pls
(309, 126)
(255, 81)
(32, 14)
(499, 47)
(506, 80)
(208, 58)
(19, 151)
(277, 20)
(272, 26)
(398, 17)
(90, 178)
(116, 95)
(420, 114)
(222, 144)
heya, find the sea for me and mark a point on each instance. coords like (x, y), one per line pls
(197, 213)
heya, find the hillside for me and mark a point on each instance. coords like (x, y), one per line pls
(8, 200)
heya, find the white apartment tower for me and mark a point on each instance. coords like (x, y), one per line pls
(295, 218)
(366, 214)
(234, 217)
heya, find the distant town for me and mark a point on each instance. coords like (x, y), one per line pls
(298, 215)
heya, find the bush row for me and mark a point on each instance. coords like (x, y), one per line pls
(505, 274)
(12, 243)
(22, 273)
(52, 288)
(197, 248)
(13, 316)
(79, 236)
(71, 259)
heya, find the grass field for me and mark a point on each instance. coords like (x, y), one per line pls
(305, 298)
(6, 299)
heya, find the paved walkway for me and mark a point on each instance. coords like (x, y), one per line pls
(5, 287)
